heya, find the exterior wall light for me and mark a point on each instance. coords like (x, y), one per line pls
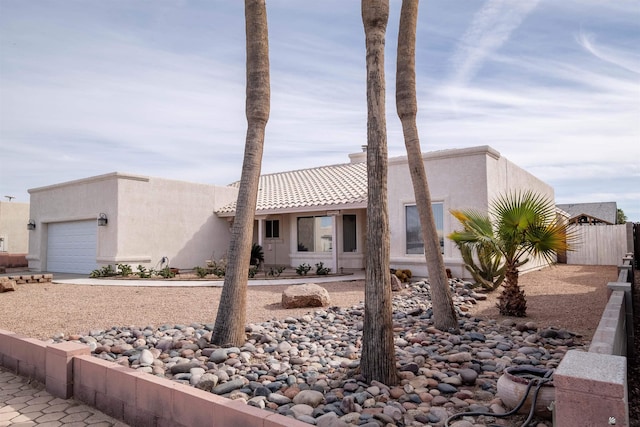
(102, 220)
(31, 225)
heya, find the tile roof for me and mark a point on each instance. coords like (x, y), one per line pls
(604, 211)
(325, 186)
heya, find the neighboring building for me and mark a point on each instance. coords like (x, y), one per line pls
(14, 237)
(605, 213)
(304, 216)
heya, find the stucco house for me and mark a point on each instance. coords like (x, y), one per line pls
(303, 216)
(14, 238)
(124, 218)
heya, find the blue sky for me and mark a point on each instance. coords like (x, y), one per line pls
(157, 88)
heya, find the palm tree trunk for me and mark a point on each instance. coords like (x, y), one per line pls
(443, 310)
(231, 317)
(512, 301)
(378, 350)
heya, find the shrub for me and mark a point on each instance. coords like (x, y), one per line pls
(321, 270)
(403, 275)
(489, 272)
(303, 269)
(106, 271)
(201, 272)
(142, 272)
(218, 268)
(166, 273)
(124, 270)
(252, 271)
(276, 271)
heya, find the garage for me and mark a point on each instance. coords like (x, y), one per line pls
(71, 247)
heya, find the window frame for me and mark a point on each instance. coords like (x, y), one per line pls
(353, 238)
(438, 216)
(269, 229)
(314, 228)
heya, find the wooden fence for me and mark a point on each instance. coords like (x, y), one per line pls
(600, 244)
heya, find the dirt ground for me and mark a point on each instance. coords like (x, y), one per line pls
(566, 296)
(572, 297)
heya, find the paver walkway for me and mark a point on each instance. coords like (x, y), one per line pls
(24, 403)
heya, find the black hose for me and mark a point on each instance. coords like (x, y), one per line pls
(537, 381)
(540, 383)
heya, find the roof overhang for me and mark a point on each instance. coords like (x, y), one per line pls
(300, 209)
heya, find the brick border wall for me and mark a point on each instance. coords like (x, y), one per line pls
(591, 387)
(139, 399)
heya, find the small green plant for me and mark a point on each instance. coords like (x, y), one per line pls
(252, 271)
(106, 271)
(166, 273)
(142, 272)
(201, 272)
(124, 270)
(303, 269)
(321, 270)
(276, 271)
(218, 268)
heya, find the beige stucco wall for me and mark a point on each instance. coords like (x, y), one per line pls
(13, 227)
(467, 178)
(276, 250)
(170, 218)
(149, 218)
(506, 177)
(77, 200)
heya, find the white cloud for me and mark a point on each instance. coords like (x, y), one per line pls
(491, 27)
(621, 59)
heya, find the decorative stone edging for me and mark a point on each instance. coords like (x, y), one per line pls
(30, 278)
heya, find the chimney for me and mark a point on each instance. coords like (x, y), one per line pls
(359, 157)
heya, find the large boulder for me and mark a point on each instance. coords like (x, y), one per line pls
(307, 295)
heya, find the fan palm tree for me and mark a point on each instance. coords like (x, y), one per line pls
(518, 225)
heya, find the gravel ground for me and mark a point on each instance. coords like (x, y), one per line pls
(554, 295)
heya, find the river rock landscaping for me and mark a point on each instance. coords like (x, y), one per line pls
(307, 367)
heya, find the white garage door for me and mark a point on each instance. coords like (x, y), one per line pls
(71, 247)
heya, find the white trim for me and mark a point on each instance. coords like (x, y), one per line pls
(123, 259)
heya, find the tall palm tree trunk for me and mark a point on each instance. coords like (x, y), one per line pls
(378, 351)
(443, 310)
(232, 311)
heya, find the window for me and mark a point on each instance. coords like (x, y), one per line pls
(315, 234)
(273, 229)
(415, 245)
(349, 233)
